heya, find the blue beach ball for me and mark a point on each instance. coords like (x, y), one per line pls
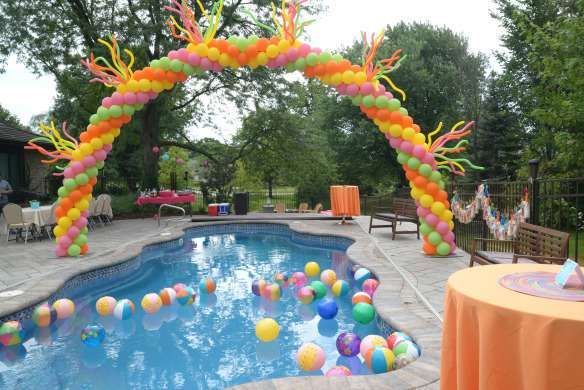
(92, 335)
(327, 308)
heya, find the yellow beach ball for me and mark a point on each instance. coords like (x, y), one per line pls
(267, 330)
(312, 269)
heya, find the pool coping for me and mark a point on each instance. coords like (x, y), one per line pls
(423, 373)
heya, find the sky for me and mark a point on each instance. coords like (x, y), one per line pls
(26, 95)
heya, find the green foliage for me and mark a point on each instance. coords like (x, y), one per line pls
(9, 119)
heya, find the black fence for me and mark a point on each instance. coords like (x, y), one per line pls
(554, 203)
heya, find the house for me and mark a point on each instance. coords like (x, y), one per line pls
(22, 167)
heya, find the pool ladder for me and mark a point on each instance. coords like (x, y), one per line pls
(170, 206)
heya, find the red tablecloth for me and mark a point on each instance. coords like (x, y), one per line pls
(345, 200)
(176, 199)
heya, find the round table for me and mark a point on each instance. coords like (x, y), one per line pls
(496, 338)
(39, 216)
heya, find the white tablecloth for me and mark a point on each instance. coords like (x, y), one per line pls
(40, 216)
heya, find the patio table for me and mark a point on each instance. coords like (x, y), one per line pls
(172, 199)
(39, 216)
(497, 338)
(345, 201)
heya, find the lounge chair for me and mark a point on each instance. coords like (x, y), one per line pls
(303, 208)
(15, 221)
(317, 209)
(280, 208)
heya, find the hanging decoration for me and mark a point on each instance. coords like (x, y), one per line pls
(501, 225)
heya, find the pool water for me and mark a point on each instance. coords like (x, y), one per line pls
(209, 345)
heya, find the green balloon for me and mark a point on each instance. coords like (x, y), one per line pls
(319, 288)
(290, 67)
(363, 313)
(357, 100)
(253, 39)
(176, 65)
(300, 64)
(337, 57)
(435, 176)
(92, 172)
(103, 113)
(189, 69)
(82, 179)
(434, 238)
(85, 230)
(100, 164)
(115, 111)
(441, 184)
(62, 192)
(241, 44)
(425, 170)
(74, 250)
(403, 111)
(80, 240)
(312, 59)
(155, 64)
(138, 107)
(368, 101)
(165, 63)
(393, 104)
(413, 163)
(94, 119)
(403, 158)
(425, 229)
(443, 249)
(232, 39)
(325, 57)
(70, 184)
(381, 101)
(128, 109)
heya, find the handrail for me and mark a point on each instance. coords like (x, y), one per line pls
(170, 206)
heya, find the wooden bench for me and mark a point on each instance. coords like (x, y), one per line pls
(533, 244)
(402, 210)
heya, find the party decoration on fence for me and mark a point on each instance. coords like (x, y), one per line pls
(503, 226)
(363, 84)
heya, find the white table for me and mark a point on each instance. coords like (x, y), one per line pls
(40, 217)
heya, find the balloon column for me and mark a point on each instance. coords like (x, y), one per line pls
(363, 84)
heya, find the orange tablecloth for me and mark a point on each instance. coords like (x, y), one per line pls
(495, 338)
(345, 200)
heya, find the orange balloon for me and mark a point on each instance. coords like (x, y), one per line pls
(309, 71)
(85, 136)
(319, 70)
(138, 75)
(124, 119)
(421, 182)
(416, 128)
(221, 44)
(262, 44)
(233, 51)
(274, 41)
(171, 76)
(66, 203)
(158, 74)
(412, 174)
(75, 196)
(407, 121)
(84, 249)
(92, 181)
(331, 67)
(344, 65)
(441, 196)
(59, 212)
(396, 117)
(429, 249)
(432, 189)
(251, 51)
(182, 77)
(148, 73)
(104, 127)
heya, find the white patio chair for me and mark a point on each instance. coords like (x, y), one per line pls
(51, 222)
(105, 208)
(15, 221)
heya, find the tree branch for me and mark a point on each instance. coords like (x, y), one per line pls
(189, 146)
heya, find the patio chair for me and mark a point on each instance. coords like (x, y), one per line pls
(105, 211)
(280, 208)
(92, 216)
(317, 209)
(15, 221)
(303, 208)
(51, 222)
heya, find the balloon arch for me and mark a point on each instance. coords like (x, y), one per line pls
(420, 157)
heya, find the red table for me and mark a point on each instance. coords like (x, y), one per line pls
(172, 199)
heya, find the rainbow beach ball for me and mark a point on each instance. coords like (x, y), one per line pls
(361, 297)
(282, 278)
(64, 308)
(44, 315)
(340, 288)
(151, 303)
(124, 309)
(257, 287)
(92, 335)
(338, 371)
(348, 344)
(11, 333)
(272, 292)
(207, 286)
(310, 357)
(361, 275)
(396, 338)
(407, 349)
(369, 286)
(328, 277)
(306, 295)
(380, 359)
(186, 296)
(298, 279)
(105, 306)
(370, 342)
(179, 286)
(319, 288)
(167, 296)
(312, 269)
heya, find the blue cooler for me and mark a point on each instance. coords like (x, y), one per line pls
(223, 208)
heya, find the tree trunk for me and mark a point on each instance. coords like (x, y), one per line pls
(270, 186)
(150, 138)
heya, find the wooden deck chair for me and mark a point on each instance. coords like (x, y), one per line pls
(280, 208)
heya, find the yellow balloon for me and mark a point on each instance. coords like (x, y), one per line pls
(213, 54)
(267, 330)
(77, 155)
(408, 133)
(253, 63)
(262, 58)
(426, 200)
(446, 216)
(284, 45)
(58, 231)
(416, 192)
(272, 51)
(133, 86)
(201, 50)
(385, 127)
(419, 139)
(438, 208)
(73, 213)
(360, 77)
(115, 132)
(82, 205)
(96, 143)
(224, 59)
(395, 130)
(86, 149)
(157, 86)
(65, 223)
(348, 77)
(312, 269)
(191, 47)
(451, 225)
(107, 138)
(167, 85)
(336, 78)
(122, 88)
(145, 85)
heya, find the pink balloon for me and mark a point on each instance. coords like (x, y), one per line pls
(216, 67)
(68, 173)
(272, 64)
(304, 49)
(281, 60)
(367, 88)
(117, 98)
(395, 142)
(152, 95)
(389, 95)
(442, 228)
(77, 167)
(431, 219)
(205, 64)
(317, 50)
(342, 89)
(378, 92)
(352, 89)
(107, 148)
(449, 237)
(407, 147)
(173, 54)
(422, 212)
(183, 55)
(60, 252)
(155, 149)
(130, 98)
(89, 161)
(194, 59)
(292, 54)
(107, 102)
(428, 158)
(180, 161)
(80, 223)
(141, 98)
(65, 241)
(73, 232)
(419, 151)
(381, 88)
(100, 155)
(85, 214)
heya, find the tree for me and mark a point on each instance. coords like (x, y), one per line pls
(9, 119)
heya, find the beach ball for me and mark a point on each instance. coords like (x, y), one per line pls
(64, 308)
(310, 357)
(363, 313)
(151, 303)
(105, 306)
(361, 275)
(167, 296)
(370, 342)
(282, 279)
(312, 269)
(44, 315)
(369, 286)
(380, 359)
(257, 287)
(272, 292)
(306, 295)
(207, 286)
(340, 288)
(327, 308)
(186, 296)
(328, 277)
(396, 338)
(298, 279)
(179, 286)
(319, 289)
(11, 333)
(407, 348)
(338, 371)
(267, 330)
(124, 309)
(92, 335)
(361, 297)
(348, 344)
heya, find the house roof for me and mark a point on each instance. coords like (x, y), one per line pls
(13, 135)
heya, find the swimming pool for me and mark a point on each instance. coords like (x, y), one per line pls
(209, 345)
